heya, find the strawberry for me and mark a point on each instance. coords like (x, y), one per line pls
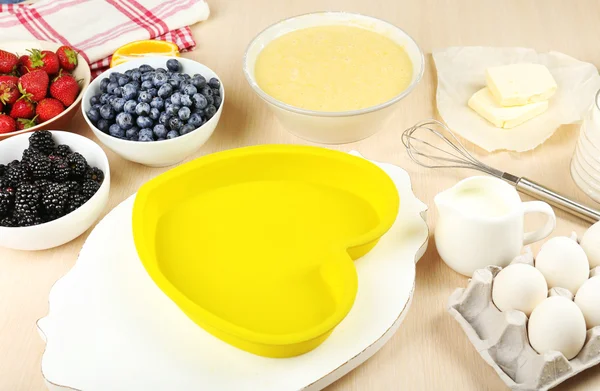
(45, 60)
(34, 85)
(49, 108)
(7, 124)
(22, 108)
(23, 123)
(21, 68)
(1, 106)
(13, 79)
(8, 62)
(9, 93)
(67, 58)
(64, 88)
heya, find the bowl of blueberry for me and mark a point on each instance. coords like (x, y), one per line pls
(156, 111)
(53, 187)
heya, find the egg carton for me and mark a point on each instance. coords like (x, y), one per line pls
(501, 337)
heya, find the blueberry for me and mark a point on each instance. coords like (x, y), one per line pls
(118, 92)
(168, 101)
(177, 77)
(145, 68)
(124, 121)
(93, 114)
(198, 81)
(152, 91)
(216, 92)
(173, 65)
(136, 75)
(144, 122)
(186, 100)
(172, 134)
(186, 76)
(132, 133)
(172, 110)
(161, 70)
(214, 83)
(128, 72)
(176, 98)
(206, 91)
(113, 77)
(165, 91)
(97, 107)
(184, 113)
(129, 106)
(107, 112)
(123, 80)
(129, 91)
(161, 139)
(104, 98)
(160, 131)
(154, 113)
(110, 88)
(183, 83)
(159, 79)
(103, 125)
(175, 123)
(142, 108)
(104, 84)
(187, 129)
(116, 131)
(210, 111)
(118, 104)
(173, 83)
(145, 97)
(200, 101)
(94, 100)
(211, 100)
(189, 89)
(164, 118)
(218, 101)
(136, 84)
(147, 84)
(158, 103)
(195, 121)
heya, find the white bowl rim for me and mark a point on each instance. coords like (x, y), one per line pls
(104, 182)
(348, 113)
(141, 59)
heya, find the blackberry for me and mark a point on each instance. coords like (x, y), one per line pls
(60, 169)
(4, 181)
(7, 200)
(89, 188)
(42, 184)
(17, 174)
(40, 167)
(9, 222)
(29, 220)
(2, 170)
(27, 200)
(42, 141)
(94, 174)
(55, 200)
(29, 154)
(77, 164)
(74, 187)
(75, 201)
(62, 151)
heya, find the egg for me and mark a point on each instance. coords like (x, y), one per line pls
(519, 287)
(591, 245)
(563, 263)
(588, 301)
(557, 324)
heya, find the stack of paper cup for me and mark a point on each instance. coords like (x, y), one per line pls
(585, 166)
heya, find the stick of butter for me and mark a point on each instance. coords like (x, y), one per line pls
(520, 84)
(504, 117)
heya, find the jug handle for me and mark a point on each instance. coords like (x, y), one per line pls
(543, 232)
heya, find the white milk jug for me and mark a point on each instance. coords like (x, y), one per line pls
(480, 223)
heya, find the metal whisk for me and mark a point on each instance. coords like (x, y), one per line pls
(448, 152)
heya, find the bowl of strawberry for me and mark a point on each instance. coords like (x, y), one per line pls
(41, 86)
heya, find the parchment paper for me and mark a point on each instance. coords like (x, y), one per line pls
(461, 72)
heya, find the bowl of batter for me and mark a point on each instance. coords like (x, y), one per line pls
(333, 77)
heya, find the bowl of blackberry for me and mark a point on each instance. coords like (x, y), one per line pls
(53, 186)
(155, 111)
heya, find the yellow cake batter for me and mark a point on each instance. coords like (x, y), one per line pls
(333, 68)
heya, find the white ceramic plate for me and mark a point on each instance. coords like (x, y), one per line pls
(110, 328)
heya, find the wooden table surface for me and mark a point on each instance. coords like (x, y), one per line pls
(430, 351)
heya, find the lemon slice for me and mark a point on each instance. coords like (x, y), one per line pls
(143, 49)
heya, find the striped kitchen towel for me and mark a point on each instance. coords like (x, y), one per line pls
(96, 28)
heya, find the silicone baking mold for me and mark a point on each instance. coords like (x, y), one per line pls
(501, 337)
(256, 244)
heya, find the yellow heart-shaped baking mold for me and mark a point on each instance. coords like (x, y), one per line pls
(256, 245)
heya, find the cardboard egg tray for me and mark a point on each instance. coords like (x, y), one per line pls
(501, 337)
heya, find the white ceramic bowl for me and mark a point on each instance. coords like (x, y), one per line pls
(68, 227)
(82, 72)
(157, 153)
(333, 127)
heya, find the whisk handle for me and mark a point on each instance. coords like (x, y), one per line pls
(540, 192)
